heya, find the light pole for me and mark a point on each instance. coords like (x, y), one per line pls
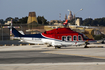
(78, 11)
(75, 14)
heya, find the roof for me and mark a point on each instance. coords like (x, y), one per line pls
(60, 31)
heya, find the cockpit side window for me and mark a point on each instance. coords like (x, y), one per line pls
(74, 38)
(84, 36)
(69, 38)
(63, 38)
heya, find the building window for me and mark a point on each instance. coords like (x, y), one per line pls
(69, 38)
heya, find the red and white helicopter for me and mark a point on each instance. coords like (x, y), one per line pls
(57, 37)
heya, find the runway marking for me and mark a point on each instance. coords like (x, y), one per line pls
(52, 52)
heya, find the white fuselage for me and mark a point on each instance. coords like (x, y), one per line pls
(53, 42)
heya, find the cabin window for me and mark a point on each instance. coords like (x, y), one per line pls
(63, 38)
(69, 38)
(79, 37)
(75, 38)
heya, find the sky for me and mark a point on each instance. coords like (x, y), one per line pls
(50, 9)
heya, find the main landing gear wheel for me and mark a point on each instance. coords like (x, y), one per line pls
(57, 47)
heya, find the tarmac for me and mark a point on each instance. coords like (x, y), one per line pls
(24, 47)
(76, 51)
(54, 66)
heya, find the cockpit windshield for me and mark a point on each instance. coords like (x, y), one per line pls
(84, 36)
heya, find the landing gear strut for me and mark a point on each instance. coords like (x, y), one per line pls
(86, 43)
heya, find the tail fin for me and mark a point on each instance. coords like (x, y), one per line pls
(65, 23)
(16, 33)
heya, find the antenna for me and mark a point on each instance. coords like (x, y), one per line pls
(60, 17)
